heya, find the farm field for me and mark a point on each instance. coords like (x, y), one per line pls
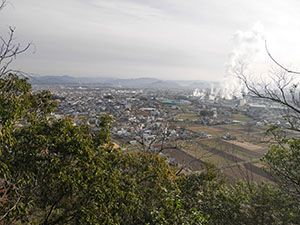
(188, 116)
(241, 117)
(238, 159)
(252, 135)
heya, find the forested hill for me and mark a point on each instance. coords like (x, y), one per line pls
(111, 82)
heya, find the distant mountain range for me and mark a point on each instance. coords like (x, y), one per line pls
(115, 82)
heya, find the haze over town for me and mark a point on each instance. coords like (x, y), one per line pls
(150, 112)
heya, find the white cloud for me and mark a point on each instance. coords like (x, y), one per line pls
(171, 39)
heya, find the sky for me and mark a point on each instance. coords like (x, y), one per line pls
(165, 39)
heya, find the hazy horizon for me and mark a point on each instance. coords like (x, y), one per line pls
(164, 39)
(116, 77)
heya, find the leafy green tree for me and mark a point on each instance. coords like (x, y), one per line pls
(53, 172)
(283, 160)
(192, 186)
(242, 203)
(206, 113)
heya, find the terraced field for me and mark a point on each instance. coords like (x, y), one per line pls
(242, 133)
(239, 159)
(234, 160)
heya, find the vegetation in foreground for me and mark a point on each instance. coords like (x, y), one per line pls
(53, 172)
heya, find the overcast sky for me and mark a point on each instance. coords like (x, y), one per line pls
(166, 39)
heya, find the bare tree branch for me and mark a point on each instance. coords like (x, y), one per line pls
(12, 208)
(9, 50)
(2, 4)
(6, 189)
(264, 91)
(277, 63)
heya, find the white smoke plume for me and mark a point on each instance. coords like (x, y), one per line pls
(247, 47)
(199, 93)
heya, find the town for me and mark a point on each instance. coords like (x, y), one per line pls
(187, 126)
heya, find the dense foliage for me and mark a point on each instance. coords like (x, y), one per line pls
(55, 172)
(242, 203)
(283, 160)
